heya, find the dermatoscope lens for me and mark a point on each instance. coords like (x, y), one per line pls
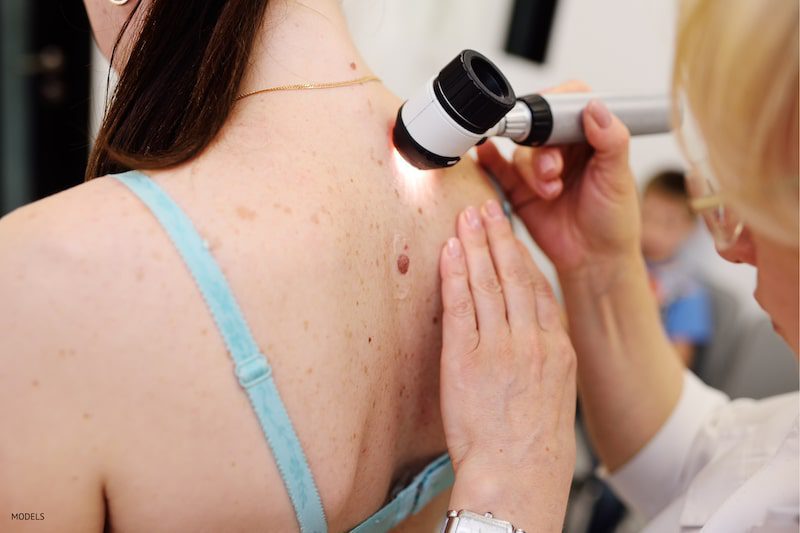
(490, 77)
(473, 91)
(453, 112)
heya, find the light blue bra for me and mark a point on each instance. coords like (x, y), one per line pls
(255, 376)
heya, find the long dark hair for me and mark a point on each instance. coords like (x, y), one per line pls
(178, 84)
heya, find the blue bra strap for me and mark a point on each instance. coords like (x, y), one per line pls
(436, 477)
(252, 368)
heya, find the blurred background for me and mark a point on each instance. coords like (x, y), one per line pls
(53, 86)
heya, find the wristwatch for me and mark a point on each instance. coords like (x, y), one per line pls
(469, 522)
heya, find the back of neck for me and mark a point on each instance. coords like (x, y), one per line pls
(303, 42)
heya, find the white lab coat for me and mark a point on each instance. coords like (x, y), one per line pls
(718, 466)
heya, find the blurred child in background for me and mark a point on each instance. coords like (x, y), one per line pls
(667, 223)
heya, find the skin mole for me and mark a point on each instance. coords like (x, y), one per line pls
(402, 263)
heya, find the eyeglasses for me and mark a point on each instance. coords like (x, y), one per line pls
(703, 189)
(723, 223)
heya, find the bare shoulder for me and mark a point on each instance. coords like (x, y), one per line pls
(68, 270)
(56, 259)
(68, 245)
(64, 259)
(68, 222)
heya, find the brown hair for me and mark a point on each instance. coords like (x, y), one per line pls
(671, 183)
(178, 84)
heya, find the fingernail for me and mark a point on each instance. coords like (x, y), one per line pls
(493, 209)
(551, 188)
(473, 220)
(600, 113)
(547, 164)
(453, 248)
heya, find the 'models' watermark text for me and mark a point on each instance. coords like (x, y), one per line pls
(27, 516)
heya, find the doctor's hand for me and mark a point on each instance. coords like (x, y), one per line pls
(507, 377)
(579, 202)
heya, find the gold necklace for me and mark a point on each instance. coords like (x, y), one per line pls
(307, 86)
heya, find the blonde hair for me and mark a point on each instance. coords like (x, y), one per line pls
(736, 73)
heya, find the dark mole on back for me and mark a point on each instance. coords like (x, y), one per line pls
(402, 263)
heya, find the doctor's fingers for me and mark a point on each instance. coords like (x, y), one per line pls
(532, 173)
(459, 327)
(548, 312)
(512, 271)
(560, 361)
(541, 169)
(490, 309)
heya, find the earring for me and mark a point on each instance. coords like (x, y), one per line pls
(118, 2)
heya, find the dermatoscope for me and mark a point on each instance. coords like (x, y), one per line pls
(470, 99)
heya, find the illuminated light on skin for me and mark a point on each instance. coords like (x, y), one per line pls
(416, 183)
(406, 169)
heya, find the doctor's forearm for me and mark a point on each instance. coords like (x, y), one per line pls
(628, 373)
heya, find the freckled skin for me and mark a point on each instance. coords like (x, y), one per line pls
(244, 213)
(402, 263)
(312, 236)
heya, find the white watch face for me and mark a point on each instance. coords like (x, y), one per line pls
(474, 523)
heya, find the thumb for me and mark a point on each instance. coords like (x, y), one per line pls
(608, 136)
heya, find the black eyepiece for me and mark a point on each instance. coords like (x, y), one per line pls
(489, 76)
(452, 112)
(473, 91)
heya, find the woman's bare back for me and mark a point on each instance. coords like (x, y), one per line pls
(332, 254)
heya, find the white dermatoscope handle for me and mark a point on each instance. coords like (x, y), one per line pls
(549, 119)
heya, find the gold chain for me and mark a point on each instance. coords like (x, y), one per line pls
(307, 86)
